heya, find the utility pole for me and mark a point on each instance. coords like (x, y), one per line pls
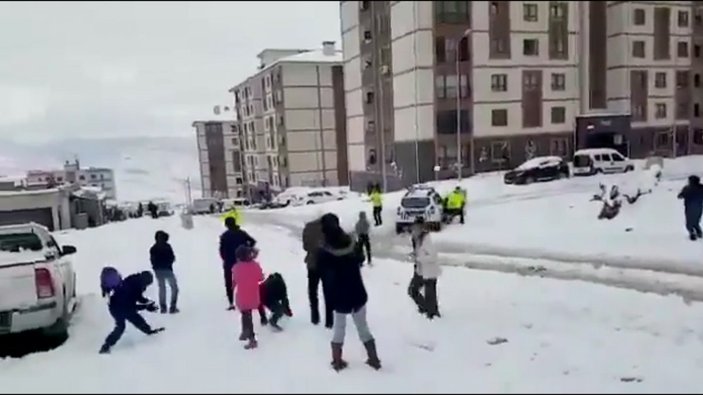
(379, 80)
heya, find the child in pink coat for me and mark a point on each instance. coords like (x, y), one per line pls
(246, 276)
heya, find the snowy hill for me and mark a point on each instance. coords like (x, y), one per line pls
(144, 168)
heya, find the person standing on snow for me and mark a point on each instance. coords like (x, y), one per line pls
(153, 210)
(455, 205)
(692, 195)
(377, 202)
(230, 240)
(162, 258)
(246, 276)
(425, 275)
(125, 304)
(342, 259)
(312, 240)
(362, 229)
(232, 213)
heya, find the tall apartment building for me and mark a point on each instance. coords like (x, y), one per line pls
(222, 167)
(291, 115)
(528, 78)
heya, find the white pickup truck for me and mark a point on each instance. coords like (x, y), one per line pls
(37, 281)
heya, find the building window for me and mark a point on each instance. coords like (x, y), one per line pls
(498, 46)
(529, 12)
(494, 8)
(440, 86)
(499, 117)
(450, 48)
(698, 136)
(660, 111)
(463, 49)
(367, 36)
(697, 51)
(446, 121)
(638, 17)
(682, 110)
(499, 82)
(683, 18)
(81, 178)
(500, 151)
(369, 97)
(682, 49)
(557, 10)
(93, 176)
(638, 49)
(559, 147)
(558, 115)
(663, 140)
(530, 80)
(440, 51)
(465, 89)
(558, 81)
(638, 113)
(660, 80)
(450, 86)
(682, 79)
(696, 110)
(452, 11)
(530, 47)
(364, 5)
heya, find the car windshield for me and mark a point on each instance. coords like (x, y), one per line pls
(582, 161)
(15, 242)
(415, 202)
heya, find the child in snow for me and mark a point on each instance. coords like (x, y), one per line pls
(162, 258)
(246, 276)
(425, 276)
(362, 229)
(125, 303)
(274, 296)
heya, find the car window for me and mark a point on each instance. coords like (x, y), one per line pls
(598, 157)
(618, 158)
(15, 242)
(582, 161)
(415, 202)
(327, 193)
(606, 158)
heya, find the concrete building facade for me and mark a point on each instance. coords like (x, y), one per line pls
(291, 115)
(223, 171)
(73, 173)
(528, 78)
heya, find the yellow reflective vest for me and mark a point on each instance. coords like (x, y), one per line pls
(233, 213)
(376, 199)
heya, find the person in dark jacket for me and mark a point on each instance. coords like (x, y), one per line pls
(342, 259)
(162, 258)
(692, 195)
(274, 296)
(362, 229)
(230, 240)
(125, 304)
(312, 240)
(153, 210)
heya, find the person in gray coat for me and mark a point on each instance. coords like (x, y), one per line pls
(312, 241)
(362, 229)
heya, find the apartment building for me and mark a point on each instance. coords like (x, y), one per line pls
(220, 153)
(73, 173)
(291, 115)
(528, 78)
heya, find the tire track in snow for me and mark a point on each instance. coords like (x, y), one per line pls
(688, 287)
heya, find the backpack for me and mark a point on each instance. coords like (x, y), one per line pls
(110, 279)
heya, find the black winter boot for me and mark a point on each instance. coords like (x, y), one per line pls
(337, 362)
(373, 360)
(164, 310)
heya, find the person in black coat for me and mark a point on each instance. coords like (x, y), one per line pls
(162, 258)
(341, 259)
(274, 296)
(692, 195)
(125, 304)
(230, 240)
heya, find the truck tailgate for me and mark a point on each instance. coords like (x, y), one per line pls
(17, 286)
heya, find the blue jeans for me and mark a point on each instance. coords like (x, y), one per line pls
(162, 277)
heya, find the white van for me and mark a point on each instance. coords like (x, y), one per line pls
(600, 160)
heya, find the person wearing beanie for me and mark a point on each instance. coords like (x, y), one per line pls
(125, 304)
(341, 259)
(233, 238)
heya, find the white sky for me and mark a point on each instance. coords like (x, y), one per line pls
(129, 69)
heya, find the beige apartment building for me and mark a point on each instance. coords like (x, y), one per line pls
(292, 119)
(222, 169)
(528, 78)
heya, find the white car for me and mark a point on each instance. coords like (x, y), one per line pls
(205, 206)
(600, 160)
(419, 201)
(37, 281)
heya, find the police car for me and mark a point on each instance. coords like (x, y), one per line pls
(419, 201)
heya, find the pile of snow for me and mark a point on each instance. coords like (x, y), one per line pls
(498, 332)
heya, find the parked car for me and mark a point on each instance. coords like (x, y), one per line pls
(37, 281)
(205, 206)
(542, 168)
(600, 160)
(419, 201)
(164, 209)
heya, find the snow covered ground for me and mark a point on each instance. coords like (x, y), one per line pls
(553, 220)
(561, 335)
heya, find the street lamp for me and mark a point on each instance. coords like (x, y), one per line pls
(458, 108)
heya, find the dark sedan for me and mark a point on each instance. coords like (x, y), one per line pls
(543, 168)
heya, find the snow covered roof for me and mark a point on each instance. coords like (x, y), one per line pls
(314, 56)
(90, 193)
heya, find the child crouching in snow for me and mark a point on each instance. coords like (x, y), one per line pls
(246, 276)
(274, 296)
